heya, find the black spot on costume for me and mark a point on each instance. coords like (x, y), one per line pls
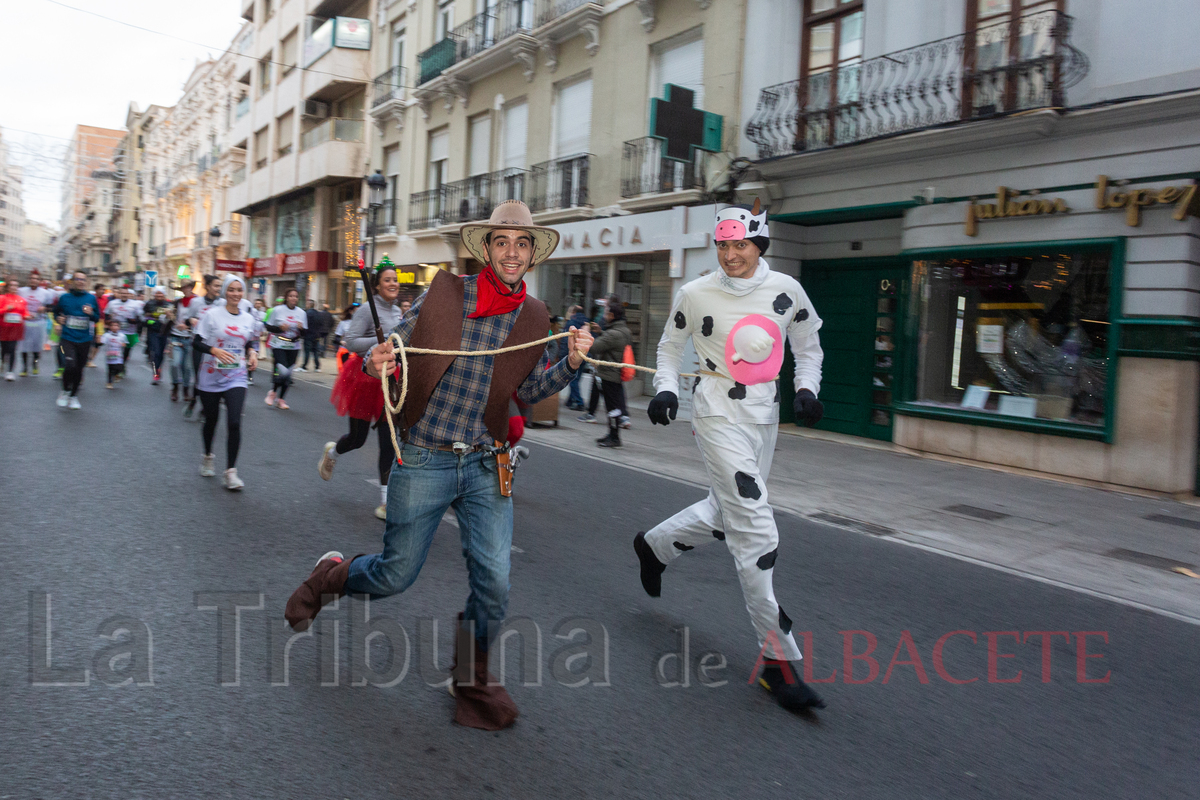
(785, 622)
(738, 392)
(683, 548)
(711, 366)
(801, 315)
(680, 320)
(720, 535)
(767, 561)
(707, 326)
(746, 486)
(782, 303)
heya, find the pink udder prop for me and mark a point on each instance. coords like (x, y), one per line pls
(757, 364)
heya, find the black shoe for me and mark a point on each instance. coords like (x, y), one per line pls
(609, 441)
(652, 568)
(782, 680)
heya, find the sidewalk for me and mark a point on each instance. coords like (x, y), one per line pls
(1116, 545)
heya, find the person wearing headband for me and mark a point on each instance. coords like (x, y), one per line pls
(737, 318)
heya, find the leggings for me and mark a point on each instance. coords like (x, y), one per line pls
(8, 354)
(211, 403)
(114, 370)
(74, 356)
(25, 360)
(357, 437)
(285, 358)
(157, 343)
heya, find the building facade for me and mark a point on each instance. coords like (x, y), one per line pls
(90, 182)
(300, 123)
(12, 215)
(995, 213)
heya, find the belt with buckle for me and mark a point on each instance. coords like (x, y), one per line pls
(461, 448)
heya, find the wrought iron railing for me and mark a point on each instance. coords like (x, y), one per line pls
(644, 169)
(552, 9)
(389, 86)
(562, 183)
(474, 198)
(497, 23)
(990, 72)
(425, 209)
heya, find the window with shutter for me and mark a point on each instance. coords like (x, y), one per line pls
(439, 153)
(516, 129)
(573, 118)
(481, 144)
(680, 61)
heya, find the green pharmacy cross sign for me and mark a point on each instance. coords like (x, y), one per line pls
(183, 271)
(681, 127)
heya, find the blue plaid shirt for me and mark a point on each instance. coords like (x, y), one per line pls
(455, 410)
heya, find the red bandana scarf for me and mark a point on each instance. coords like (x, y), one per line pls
(493, 297)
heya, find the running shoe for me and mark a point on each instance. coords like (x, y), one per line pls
(58, 373)
(270, 400)
(73, 404)
(155, 380)
(109, 386)
(207, 468)
(8, 376)
(232, 482)
(299, 369)
(625, 422)
(782, 680)
(35, 370)
(587, 418)
(381, 512)
(189, 412)
(325, 465)
(61, 402)
(175, 393)
(24, 373)
(280, 404)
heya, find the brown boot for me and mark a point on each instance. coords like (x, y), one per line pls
(326, 583)
(480, 701)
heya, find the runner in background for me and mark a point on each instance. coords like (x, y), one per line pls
(77, 312)
(37, 300)
(12, 326)
(180, 346)
(158, 314)
(112, 343)
(287, 324)
(259, 312)
(196, 310)
(225, 339)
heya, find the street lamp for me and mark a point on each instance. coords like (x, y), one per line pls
(376, 186)
(214, 238)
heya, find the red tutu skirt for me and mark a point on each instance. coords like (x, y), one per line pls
(355, 393)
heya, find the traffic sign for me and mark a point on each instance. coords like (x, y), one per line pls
(151, 278)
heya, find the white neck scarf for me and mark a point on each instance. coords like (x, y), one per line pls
(740, 287)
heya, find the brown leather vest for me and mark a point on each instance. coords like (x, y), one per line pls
(439, 327)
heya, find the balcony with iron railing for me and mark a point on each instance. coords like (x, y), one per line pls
(482, 32)
(559, 184)
(984, 74)
(389, 87)
(646, 171)
(466, 200)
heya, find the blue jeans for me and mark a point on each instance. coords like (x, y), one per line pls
(419, 492)
(181, 361)
(576, 398)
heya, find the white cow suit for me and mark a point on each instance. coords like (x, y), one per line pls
(736, 426)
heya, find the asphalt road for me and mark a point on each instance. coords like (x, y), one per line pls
(104, 512)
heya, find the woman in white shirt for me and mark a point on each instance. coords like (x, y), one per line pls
(225, 338)
(286, 324)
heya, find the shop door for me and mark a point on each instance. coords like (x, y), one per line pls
(861, 311)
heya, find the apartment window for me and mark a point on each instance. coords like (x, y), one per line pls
(268, 10)
(516, 132)
(261, 147)
(1002, 40)
(439, 156)
(3, 204)
(391, 170)
(284, 132)
(445, 19)
(264, 75)
(399, 37)
(287, 53)
(831, 48)
(479, 157)
(679, 61)
(573, 118)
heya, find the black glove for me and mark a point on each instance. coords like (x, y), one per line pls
(664, 403)
(807, 409)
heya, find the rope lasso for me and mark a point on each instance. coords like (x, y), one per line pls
(403, 352)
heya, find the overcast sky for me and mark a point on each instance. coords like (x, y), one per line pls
(63, 67)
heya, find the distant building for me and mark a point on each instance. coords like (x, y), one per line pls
(89, 195)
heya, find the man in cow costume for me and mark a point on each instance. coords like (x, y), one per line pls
(737, 318)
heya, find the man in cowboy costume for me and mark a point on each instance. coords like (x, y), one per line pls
(454, 423)
(737, 318)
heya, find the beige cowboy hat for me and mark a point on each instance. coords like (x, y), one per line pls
(509, 215)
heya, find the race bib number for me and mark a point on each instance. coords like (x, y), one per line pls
(12, 316)
(228, 367)
(77, 322)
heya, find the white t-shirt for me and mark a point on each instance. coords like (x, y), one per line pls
(706, 310)
(230, 332)
(37, 299)
(127, 312)
(292, 320)
(114, 347)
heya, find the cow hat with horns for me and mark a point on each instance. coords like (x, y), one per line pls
(744, 222)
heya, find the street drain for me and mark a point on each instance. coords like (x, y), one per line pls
(853, 524)
(1149, 560)
(1177, 521)
(978, 513)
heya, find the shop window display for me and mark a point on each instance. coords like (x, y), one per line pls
(1015, 335)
